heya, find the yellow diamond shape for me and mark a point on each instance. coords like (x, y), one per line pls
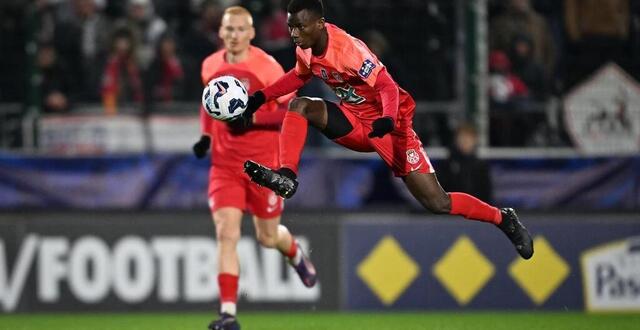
(388, 270)
(463, 270)
(541, 275)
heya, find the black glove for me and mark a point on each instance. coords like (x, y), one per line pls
(241, 123)
(381, 127)
(255, 101)
(201, 147)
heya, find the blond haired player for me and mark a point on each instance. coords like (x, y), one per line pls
(255, 137)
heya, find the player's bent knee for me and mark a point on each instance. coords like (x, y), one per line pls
(299, 104)
(268, 241)
(307, 107)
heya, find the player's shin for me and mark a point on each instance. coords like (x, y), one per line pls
(292, 138)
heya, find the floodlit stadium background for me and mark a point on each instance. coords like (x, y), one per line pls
(103, 207)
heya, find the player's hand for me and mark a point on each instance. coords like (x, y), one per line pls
(381, 127)
(201, 147)
(241, 123)
(255, 101)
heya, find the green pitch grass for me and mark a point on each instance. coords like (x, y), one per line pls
(327, 320)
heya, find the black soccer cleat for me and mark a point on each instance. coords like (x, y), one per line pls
(516, 232)
(225, 322)
(281, 184)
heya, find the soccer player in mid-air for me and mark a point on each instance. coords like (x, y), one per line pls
(230, 191)
(374, 115)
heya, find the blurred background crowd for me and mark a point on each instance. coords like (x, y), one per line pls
(144, 56)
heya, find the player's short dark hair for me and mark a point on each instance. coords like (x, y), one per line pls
(314, 6)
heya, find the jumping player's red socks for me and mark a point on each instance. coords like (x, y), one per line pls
(228, 284)
(473, 208)
(292, 138)
(293, 249)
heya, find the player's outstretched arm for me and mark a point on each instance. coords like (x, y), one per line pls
(287, 84)
(390, 96)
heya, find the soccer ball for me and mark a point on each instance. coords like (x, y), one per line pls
(224, 98)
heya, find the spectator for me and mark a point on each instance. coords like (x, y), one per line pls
(52, 80)
(146, 27)
(13, 62)
(166, 75)
(42, 18)
(597, 32)
(595, 18)
(199, 42)
(84, 37)
(525, 67)
(121, 82)
(379, 45)
(274, 35)
(509, 100)
(504, 86)
(463, 171)
(520, 18)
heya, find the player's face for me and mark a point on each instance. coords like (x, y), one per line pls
(236, 32)
(305, 28)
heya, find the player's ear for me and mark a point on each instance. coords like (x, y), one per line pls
(252, 33)
(321, 22)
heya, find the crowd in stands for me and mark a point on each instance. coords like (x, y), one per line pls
(135, 54)
(541, 49)
(141, 52)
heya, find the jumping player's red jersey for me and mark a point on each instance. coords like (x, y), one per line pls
(351, 70)
(259, 142)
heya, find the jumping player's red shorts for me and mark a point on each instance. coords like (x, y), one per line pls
(232, 188)
(401, 149)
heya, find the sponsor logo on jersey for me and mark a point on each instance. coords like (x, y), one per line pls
(348, 95)
(323, 74)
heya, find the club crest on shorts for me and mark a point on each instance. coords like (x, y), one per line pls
(273, 199)
(412, 157)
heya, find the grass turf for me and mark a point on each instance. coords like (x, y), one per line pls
(326, 320)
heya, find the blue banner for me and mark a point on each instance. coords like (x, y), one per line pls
(177, 181)
(447, 263)
(128, 182)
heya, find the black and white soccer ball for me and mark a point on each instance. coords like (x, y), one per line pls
(224, 98)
